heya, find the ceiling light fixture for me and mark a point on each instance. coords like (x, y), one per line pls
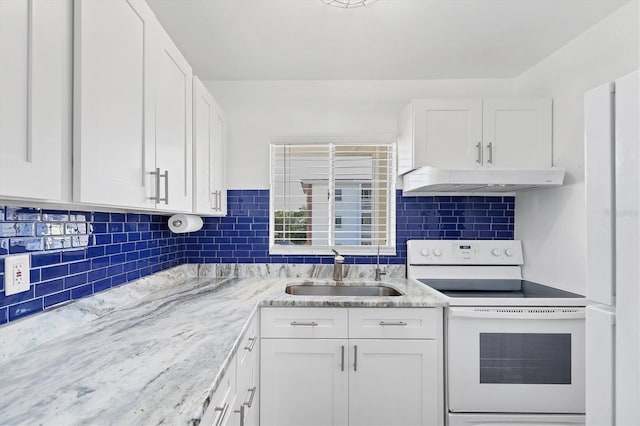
(347, 4)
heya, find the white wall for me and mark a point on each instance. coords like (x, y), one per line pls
(259, 110)
(551, 222)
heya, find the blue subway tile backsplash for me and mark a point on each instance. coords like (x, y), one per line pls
(243, 235)
(75, 254)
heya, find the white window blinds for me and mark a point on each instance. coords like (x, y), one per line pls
(326, 195)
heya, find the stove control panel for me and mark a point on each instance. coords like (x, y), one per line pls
(464, 252)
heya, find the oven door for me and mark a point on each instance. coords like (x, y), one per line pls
(516, 359)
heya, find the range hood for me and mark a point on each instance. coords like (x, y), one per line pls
(428, 180)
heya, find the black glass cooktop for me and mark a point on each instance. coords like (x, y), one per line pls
(496, 288)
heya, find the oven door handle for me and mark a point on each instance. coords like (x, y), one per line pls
(518, 313)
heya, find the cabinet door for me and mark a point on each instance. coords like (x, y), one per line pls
(172, 126)
(517, 133)
(447, 133)
(209, 187)
(220, 409)
(218, 153)
(248, 375)
(35, 69)
(304, 382)
(395, 382)
(113, 138)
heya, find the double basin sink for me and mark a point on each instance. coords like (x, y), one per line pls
(309, 289)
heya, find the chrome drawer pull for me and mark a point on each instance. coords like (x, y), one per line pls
(342, 358)
(355, 357)
(304, 324)
(223, 411)
(252, 344)
(383, 323)
(249, 403)
(241, 412)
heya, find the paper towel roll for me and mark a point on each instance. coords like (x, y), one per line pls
(180, 223)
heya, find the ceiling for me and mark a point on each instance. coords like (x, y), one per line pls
(387, 40)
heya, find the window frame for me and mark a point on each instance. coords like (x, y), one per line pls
(362, 250)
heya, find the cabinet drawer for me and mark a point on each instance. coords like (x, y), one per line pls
(392, 323)
(221, 403)
(323, 323)
(249, 346)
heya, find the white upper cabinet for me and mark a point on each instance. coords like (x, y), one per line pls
(439, 131)
(475, 133)
(113, 103)
(132, 109)
(209, 139)
(35, 100)
(517, 133)
(172, 126)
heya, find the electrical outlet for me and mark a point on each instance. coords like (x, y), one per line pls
(17, 276)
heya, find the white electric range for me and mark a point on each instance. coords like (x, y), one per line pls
(514, 348)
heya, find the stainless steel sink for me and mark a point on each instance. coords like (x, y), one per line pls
(341, 290)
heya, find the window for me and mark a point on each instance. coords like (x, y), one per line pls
(327, 195)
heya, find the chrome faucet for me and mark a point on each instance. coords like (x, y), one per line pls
(379, 272)
(338, 261)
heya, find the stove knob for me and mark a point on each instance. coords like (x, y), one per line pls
(437, 252)
(509, 252)
(424, 252)
(496, 252)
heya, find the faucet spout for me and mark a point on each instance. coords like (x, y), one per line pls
(338, 261)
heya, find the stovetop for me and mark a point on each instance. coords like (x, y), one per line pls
(500, 288)
(480, 273)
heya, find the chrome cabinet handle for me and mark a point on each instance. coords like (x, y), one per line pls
(249, 403)
(241, 411)
(490, 148)
(383, 323)
(158, 176)
(219, 200)
(479, 150)
(223, 411)
(355, 357)
(215, 200)
(156, 198)
(166, 187)
(304, 324)
(342, 358)
(252, 344)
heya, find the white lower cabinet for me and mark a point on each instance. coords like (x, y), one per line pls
(394, 382)
(236, 401)
(306, 380)
(247, 407)
(220, 409)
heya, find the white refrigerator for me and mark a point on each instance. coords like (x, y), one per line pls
(612, 182)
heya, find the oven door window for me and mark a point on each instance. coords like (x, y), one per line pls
(525, 358)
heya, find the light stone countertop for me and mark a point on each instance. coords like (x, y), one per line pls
(149, 352)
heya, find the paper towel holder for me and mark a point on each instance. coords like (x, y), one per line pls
(182, 223)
